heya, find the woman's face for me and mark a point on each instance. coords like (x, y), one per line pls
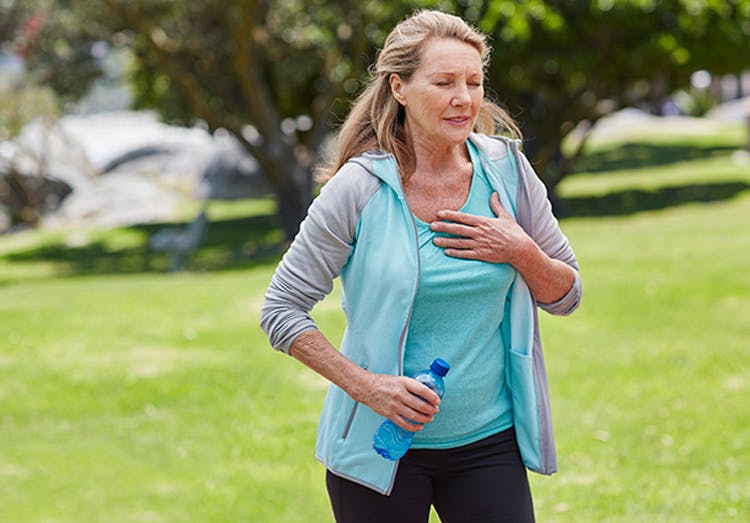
(443, 96)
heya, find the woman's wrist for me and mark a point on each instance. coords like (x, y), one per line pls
(359, 384)
(523, 255)
(548, 279)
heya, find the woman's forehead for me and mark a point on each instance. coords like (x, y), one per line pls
(449, 55)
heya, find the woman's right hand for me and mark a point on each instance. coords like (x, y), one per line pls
(395, 397)
(399, 399)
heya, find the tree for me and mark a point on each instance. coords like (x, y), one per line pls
(562, 64)
(277, 75)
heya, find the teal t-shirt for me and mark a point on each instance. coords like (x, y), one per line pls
(457, 314)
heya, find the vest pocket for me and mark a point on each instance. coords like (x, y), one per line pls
(350, 420)
(352, 413)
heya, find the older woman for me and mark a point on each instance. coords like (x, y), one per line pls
(445, 243)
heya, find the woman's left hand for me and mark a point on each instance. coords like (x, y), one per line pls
(494, 240)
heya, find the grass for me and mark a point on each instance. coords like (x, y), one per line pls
(148, 398)
(650, 380)
(132, 395)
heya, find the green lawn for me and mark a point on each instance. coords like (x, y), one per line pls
(131, 395)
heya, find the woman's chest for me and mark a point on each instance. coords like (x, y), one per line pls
(426, 196)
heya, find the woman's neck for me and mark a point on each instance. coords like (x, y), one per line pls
(439, 158)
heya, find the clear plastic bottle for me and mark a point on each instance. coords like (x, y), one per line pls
(390, 440)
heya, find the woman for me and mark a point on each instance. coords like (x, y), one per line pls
(445, 244)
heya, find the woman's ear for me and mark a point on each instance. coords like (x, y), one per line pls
(397, 88)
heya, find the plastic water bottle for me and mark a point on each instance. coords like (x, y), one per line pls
(390, 440)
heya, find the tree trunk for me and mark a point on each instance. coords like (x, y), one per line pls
(291, 182)
(292, 186)
(739, 92)
(293, 201)
(546, 157)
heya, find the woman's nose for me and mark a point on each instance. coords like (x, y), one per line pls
(461, 96)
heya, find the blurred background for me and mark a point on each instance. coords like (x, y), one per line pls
(156, 156)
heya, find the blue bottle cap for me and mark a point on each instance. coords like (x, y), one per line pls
(440, 367)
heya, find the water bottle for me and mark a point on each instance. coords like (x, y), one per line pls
(390, 440)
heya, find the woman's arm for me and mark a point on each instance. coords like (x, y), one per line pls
(305, 275)
(314, 259)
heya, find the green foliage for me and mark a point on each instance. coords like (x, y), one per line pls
(54, 42)
(18, 107)
(559, 63)
(695, 102)
(296, 53)
(24, 93)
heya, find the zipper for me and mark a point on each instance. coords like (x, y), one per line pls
(350, 419)
(402, 340)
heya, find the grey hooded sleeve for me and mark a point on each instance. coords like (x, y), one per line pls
(321, 248)
(539, 222)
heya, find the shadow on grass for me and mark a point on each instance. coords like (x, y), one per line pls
(637, 200)
(639, 155)
(242, 243)
(237, 243)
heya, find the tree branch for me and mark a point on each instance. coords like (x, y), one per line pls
(249, 71)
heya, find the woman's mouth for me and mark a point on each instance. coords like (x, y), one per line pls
(457, 120)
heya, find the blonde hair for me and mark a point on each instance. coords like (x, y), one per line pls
(376, 119)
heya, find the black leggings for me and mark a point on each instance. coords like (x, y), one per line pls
(484, 482)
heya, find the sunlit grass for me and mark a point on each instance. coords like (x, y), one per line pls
(650, 378)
